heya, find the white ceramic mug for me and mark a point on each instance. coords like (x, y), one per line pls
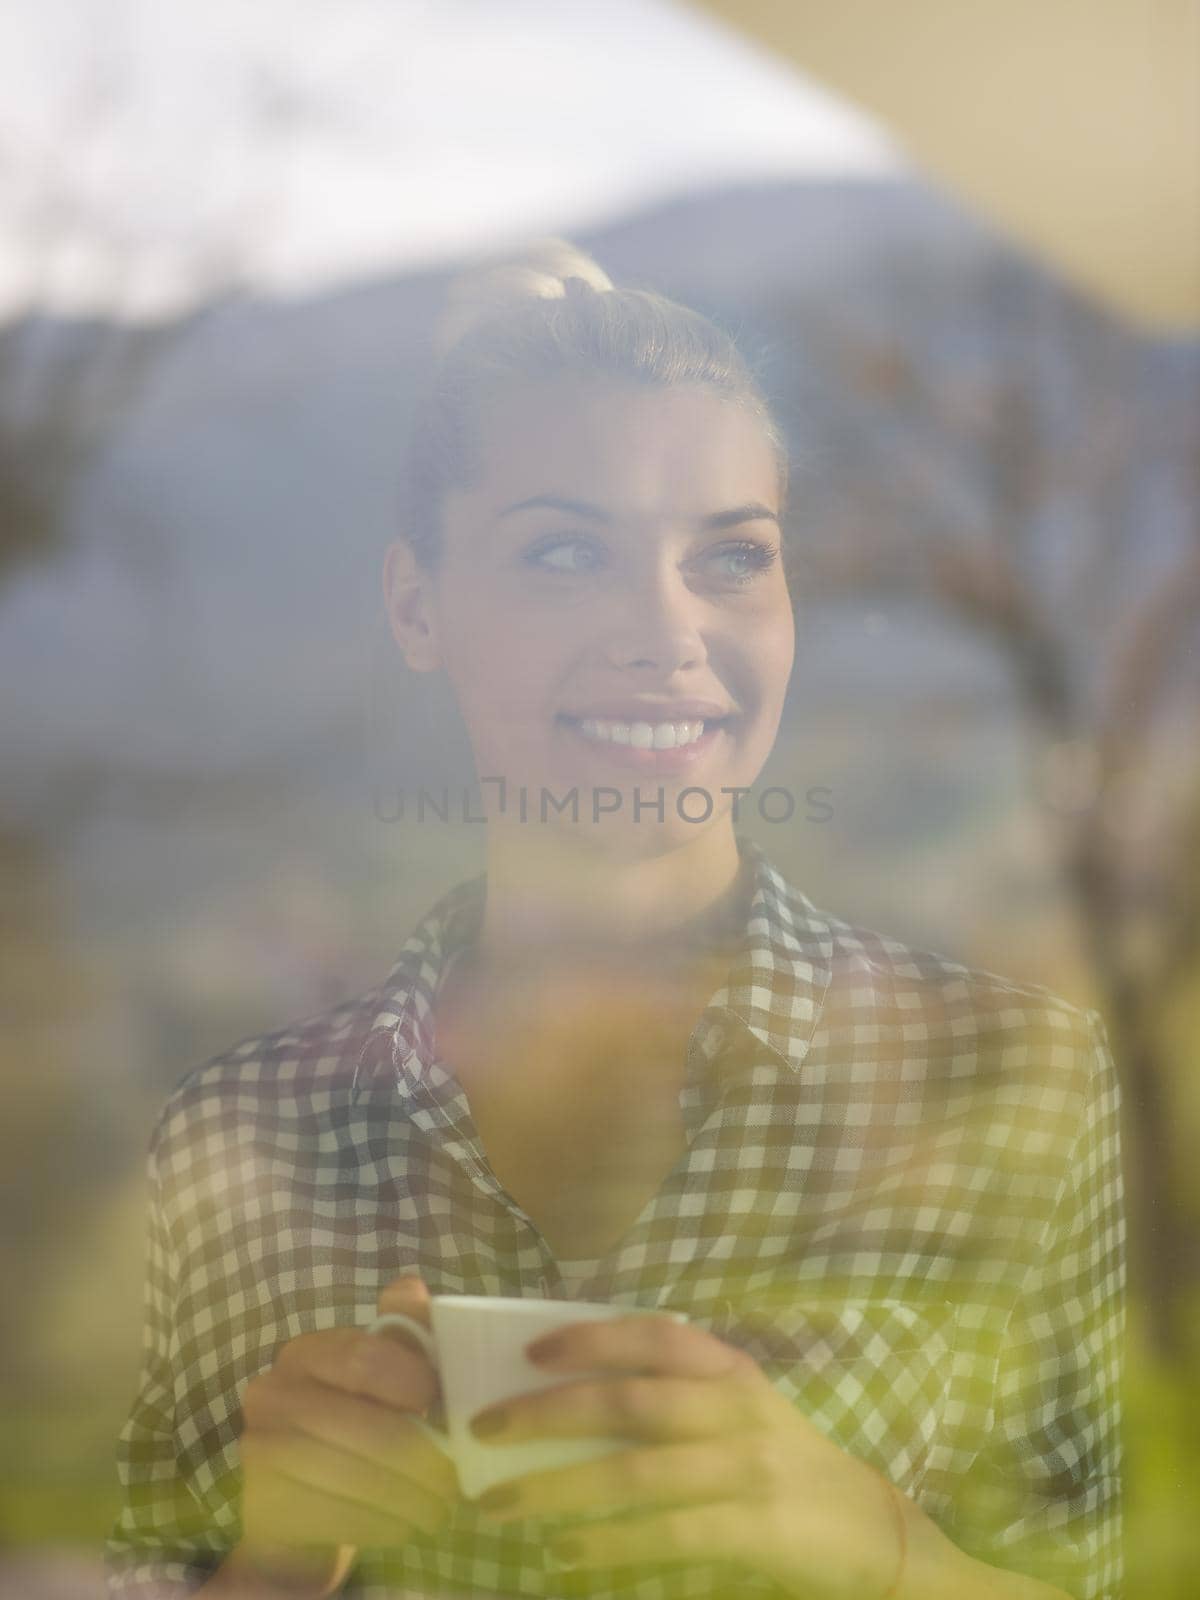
(478, 1348)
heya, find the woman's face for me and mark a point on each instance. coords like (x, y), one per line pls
(611, 606)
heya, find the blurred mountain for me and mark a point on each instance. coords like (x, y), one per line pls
(216, 621)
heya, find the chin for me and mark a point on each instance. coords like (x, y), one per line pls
(620, 839)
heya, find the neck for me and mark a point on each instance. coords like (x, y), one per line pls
(549, 896)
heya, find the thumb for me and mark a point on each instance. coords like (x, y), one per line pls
(410, 1297)
(407, 1295)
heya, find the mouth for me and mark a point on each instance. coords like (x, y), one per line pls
(658, 748)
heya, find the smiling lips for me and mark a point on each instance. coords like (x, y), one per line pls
(641, 735)
(651, 742)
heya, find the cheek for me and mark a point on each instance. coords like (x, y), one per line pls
(501, 664)
(767, 645)
(783, 656)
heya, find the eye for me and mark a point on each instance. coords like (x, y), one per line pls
(742, 561)
(569, 554)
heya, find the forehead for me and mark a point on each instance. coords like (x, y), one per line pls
(640, 450)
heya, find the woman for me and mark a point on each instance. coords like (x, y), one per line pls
(631, 1062)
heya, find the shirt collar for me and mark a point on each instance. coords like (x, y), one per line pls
(778, 980)
(775, 987)
(401, 1027)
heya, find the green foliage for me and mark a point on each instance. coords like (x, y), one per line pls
(1162, 1442)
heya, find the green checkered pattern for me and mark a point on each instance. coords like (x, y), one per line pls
(901, 1193)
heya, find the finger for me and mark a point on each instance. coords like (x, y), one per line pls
(716, 1532)
(641, 1479)
(294, 1457)
(408, 1295)
(639, 1343)
(358, 1426)
(278, 1509)
(265, 1566)
(651, 1409)
(357, 1362)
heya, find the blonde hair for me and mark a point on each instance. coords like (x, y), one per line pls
(548, 311)
(541, 272)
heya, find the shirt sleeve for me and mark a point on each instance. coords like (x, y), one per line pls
(1044, 1497)
(163, 1545)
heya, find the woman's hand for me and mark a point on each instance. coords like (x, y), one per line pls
(724, 1468)
(331, 1457)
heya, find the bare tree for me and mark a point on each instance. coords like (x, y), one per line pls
(69, 385)
(961, 453)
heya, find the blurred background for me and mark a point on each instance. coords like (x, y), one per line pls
(964, 263)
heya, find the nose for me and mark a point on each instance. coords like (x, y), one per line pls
(657, 627)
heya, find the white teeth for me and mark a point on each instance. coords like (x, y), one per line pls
(642, 735)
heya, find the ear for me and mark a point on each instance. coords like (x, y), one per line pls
(406, 594)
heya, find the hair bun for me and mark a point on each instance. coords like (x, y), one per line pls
(549, 269)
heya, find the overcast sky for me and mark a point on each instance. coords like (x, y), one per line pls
(148, 146)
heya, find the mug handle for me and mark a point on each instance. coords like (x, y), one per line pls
(423, 1337)
(397, 1319)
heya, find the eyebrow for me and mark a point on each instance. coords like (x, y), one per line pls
(751, 511)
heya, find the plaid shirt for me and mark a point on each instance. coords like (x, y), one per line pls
(901, 1194)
